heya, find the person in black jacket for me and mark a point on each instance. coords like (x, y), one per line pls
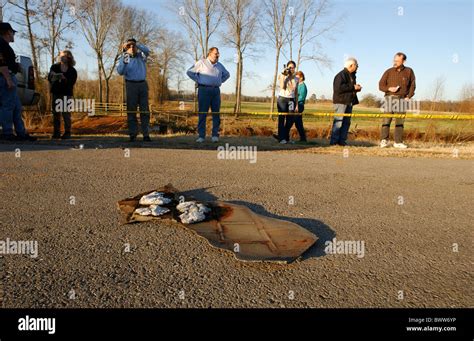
(345, 90)
(62, 77)
(10, 103)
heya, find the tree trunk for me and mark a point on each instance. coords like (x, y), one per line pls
(53, 36)
(239, 83)
(107, 90)
(100, 79)
(277, 60)
(195, 95)
(163, 86)
(301, 35)
(32, 43)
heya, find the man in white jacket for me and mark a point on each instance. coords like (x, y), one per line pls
(209, 75)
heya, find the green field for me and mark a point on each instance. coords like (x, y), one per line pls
(422, 125)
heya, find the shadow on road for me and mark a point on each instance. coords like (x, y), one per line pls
(317, 227)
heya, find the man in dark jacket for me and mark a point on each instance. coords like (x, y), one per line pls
(10, 104)
(398, 83)
(345, 90)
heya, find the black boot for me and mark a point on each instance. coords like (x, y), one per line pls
(27, 137)
(66, 136)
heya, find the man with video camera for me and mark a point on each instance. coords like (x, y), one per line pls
(132, 65)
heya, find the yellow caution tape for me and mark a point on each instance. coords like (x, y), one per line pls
(371, 115)
(108, 108)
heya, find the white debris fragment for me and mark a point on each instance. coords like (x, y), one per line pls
(203, 208)
(192, 217)
(154, 198)
(184, 206)
(158, 210)
(193, 212)
(143, 211)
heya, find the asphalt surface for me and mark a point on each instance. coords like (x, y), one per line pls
(412, 214)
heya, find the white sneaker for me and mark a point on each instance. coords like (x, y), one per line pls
(400, 145)
(200, 140)
(383, 144)
(283, 142)
(215, 139)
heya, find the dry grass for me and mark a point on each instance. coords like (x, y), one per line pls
(435, 138)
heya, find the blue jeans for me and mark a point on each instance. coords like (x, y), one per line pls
(284, 105)
(209, 97)
(10, 109)
(341, 124)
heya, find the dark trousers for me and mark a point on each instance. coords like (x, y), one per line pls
(137, 96)
(57, 115)
(284, 105)
(297, 120)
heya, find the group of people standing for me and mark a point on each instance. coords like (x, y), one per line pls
(62, 77)
(290, 103)
(398, 84)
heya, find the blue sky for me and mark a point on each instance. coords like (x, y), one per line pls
(436, 35)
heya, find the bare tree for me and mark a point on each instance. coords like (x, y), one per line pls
(201, 18)
(139, 24)
(97, 20)
(144, 27)
(290, 29)
(438, 92)
(28, 12)
(275, 14)
(170, 59)
(311, 30)
(56, 19)
(466, 103)
(241, 19)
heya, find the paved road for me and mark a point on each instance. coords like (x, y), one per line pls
(408, 212)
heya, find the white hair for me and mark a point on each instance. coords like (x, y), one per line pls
(350, 61)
